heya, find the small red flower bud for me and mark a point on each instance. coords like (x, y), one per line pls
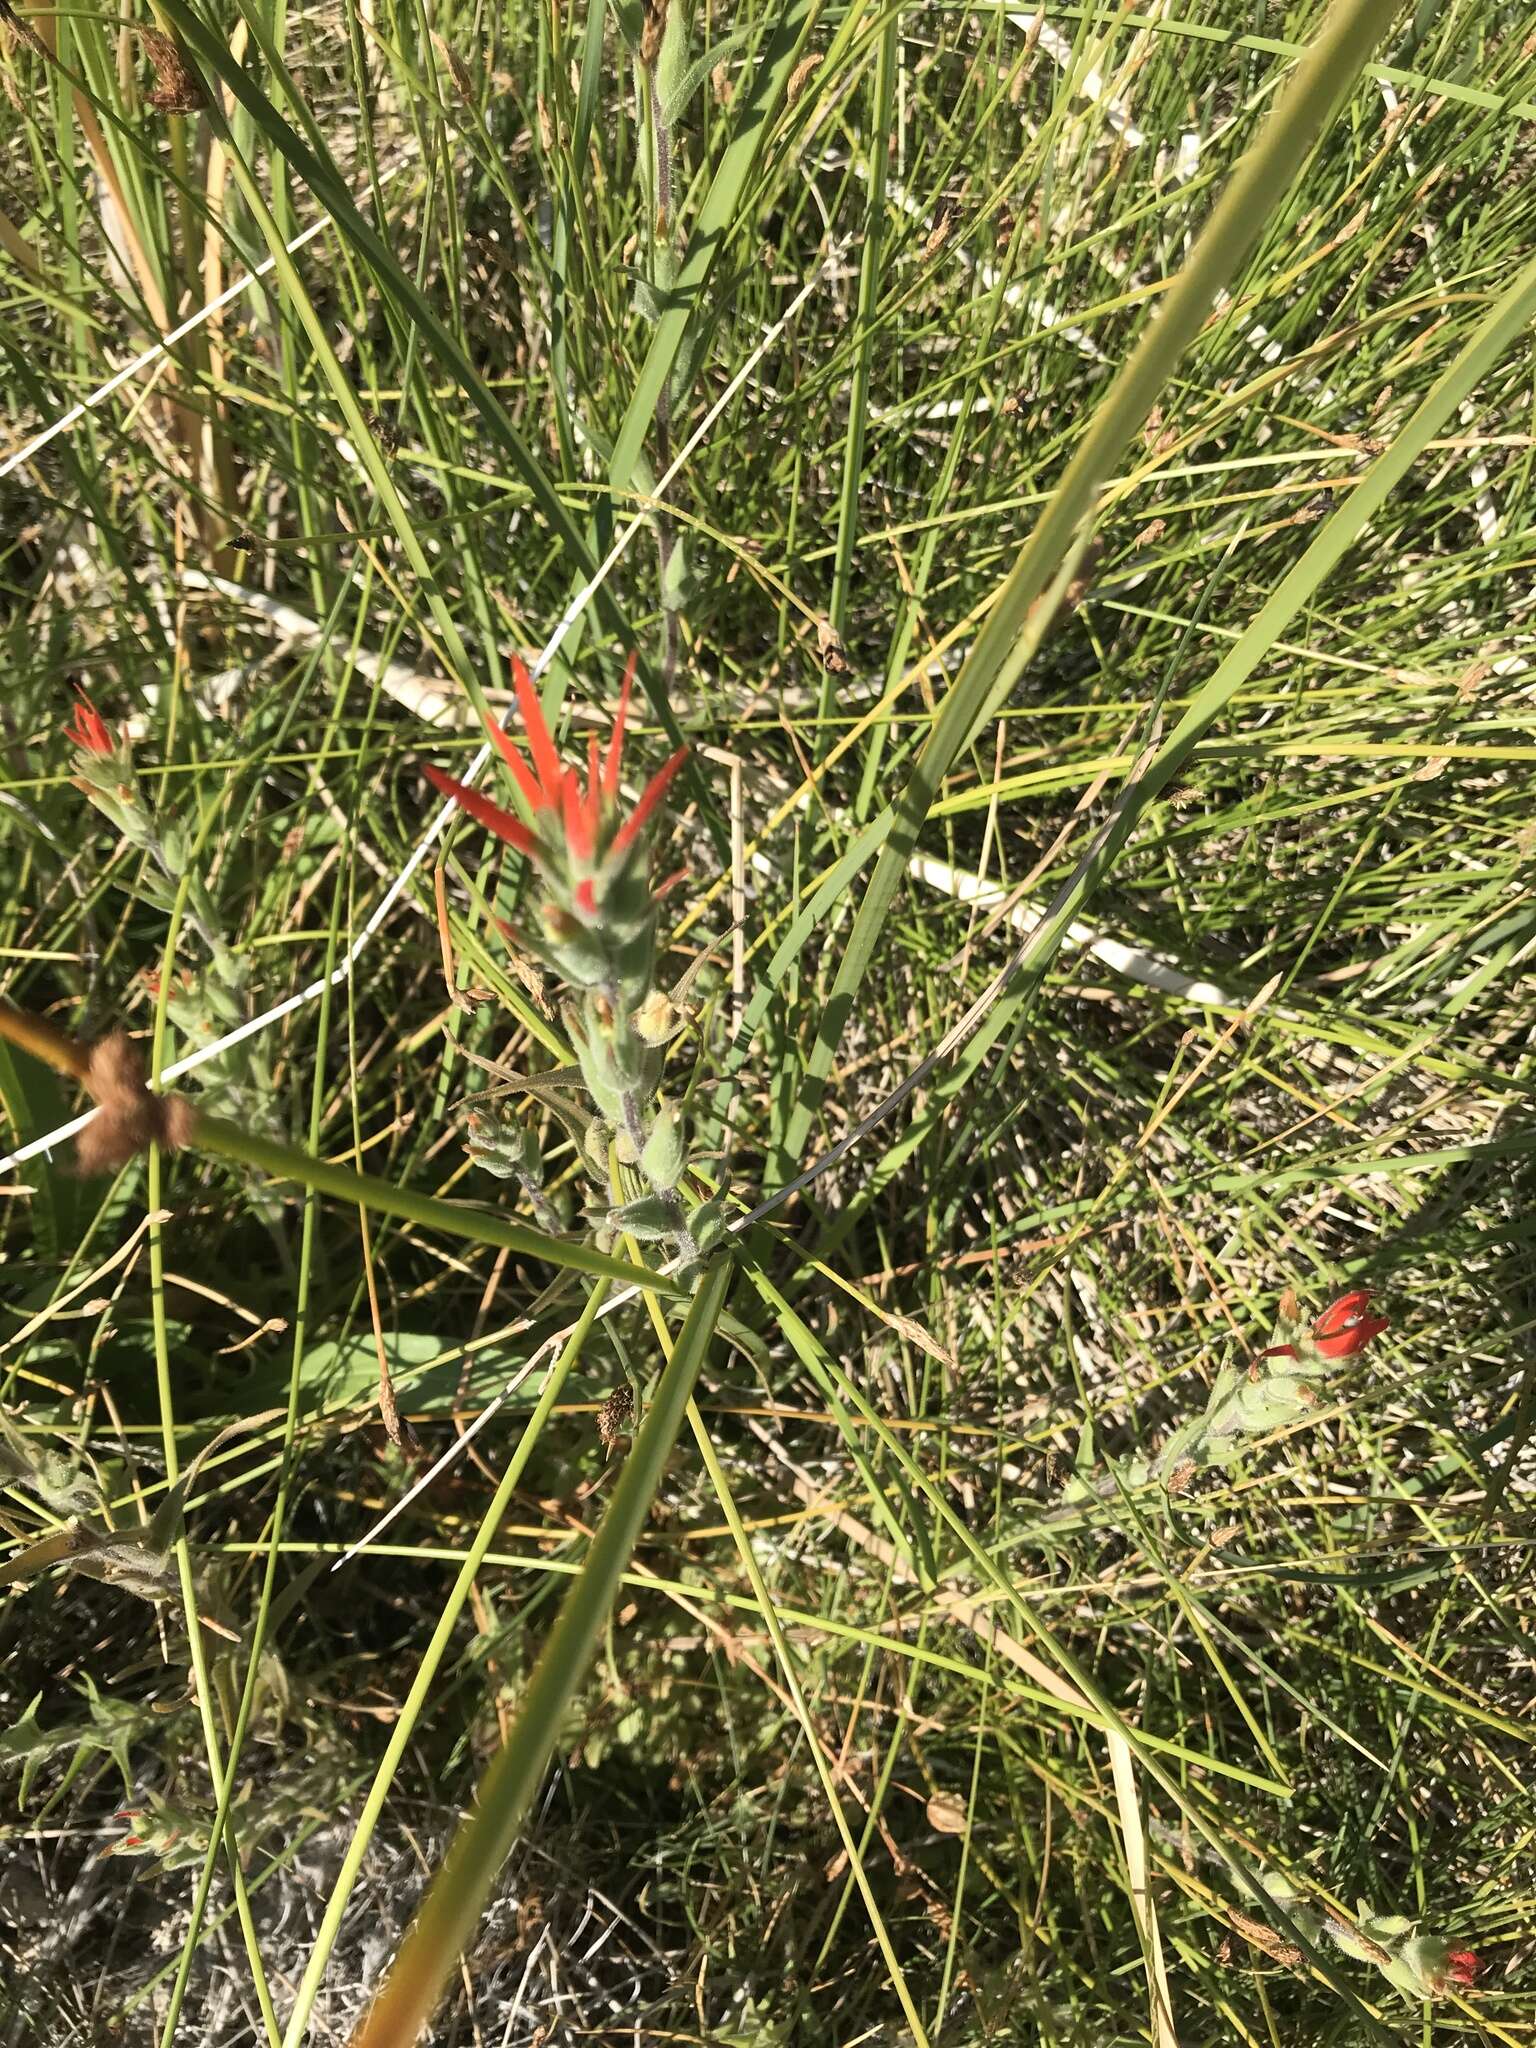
(1346, 1325)
(90, 731)
(1462, 1966)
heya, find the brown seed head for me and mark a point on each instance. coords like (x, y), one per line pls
(18, 30)
(652, 28)
(178, 89)
(834, 656)
(939, 235)
(1265, 1938)
(614, 1417)
(1181, 1475)
(463, 83)
(802, 75)
(130, 1119)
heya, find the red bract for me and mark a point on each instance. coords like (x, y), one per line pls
(1461, 1963)
(90, 731)
(1347, 1325)
(572, 827)
(481, 809)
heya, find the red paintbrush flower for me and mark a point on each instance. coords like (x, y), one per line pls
(1347, 1325)
(576, 833)
(1344, 1327)
(90, 731)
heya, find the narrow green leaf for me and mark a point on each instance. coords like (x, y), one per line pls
(287, 1162)
(212, 50)
(756, 105)
(1305, 109)
(676, 96)
(869, 297)
(34, 1102)
(1502, 325)
(446, 1922)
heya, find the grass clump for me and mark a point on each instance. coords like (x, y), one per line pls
(1007, 1597)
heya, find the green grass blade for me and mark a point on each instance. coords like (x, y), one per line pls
(220, 1766)
(258, 1635)
(1500, 327)
(33, 1103)
(416, 1700)
(717, 218)
(343, 1184)
(1310, 101)
(448, 1917)
(393, 279)
(868, 300)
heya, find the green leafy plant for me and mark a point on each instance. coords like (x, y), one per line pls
(1250, 1400)
(595, 927)
(1418, 1965)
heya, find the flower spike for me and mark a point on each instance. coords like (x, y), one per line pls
(596, 914)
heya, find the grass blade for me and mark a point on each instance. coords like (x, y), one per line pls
(717, 217)
(416, 1700)
(1308, 104)
(447, 1919)
(392, 278)
(481, 1226)
(1508, 317)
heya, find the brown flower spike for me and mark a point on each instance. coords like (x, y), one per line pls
(614, 1417)
(177, 89)
(653, 27)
